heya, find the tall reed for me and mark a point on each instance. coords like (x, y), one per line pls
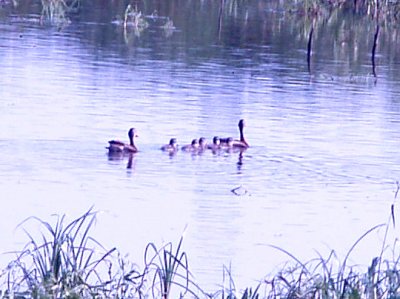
(170, 268)
(55, 11)
(62, 261)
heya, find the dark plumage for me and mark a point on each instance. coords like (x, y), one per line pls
(216, 145)
(241, 143)
(194, 146)
(116, 146)
(172, 146)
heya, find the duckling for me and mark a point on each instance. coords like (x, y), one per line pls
(215, 145)
(116, 146)
(228, 144)
(171, 147)
(241, 143)
(202, 143)
(191, 147)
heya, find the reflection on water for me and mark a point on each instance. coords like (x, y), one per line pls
(240, 161)
(323, 158)
(122, 156)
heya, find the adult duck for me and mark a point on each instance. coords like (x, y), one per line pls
(241, 143)
(116, 146)
(193, 146)
(171, 147)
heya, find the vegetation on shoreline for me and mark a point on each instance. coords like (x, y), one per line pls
(385, 9)
(64, 261)
(56, 11)
(320, 25)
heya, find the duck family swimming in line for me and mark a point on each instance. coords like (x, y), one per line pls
(197, 145)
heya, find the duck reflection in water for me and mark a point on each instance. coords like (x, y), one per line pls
(122, 156)
(240, 162)
(131, 162)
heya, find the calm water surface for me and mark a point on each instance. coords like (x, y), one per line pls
(320, 172)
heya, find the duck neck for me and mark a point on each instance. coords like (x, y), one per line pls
(242, 137)
(131, 141)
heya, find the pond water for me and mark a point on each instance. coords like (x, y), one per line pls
(324, 156)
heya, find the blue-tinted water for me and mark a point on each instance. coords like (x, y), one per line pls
(321, 169)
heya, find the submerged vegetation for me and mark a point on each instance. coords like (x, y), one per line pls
(342, 26)
(133, 17)
(64, 261)
(134, 12)
(56, 11)
(374, 8)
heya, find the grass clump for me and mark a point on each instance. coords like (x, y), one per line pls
(169, 268)
(55, 11)
(64, 261)
(376, 9)
(331, 278)
(229, 290)
(134, 18)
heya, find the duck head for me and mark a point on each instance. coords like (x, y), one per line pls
(132, 133)
(173, 142)
(202, 142)
(195, 143)
(241, 124)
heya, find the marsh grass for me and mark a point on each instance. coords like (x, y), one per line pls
(169, 268)
(55, 11)
(331, 277)
(64, 261)
(134, 18)
(381, 10)
(229, 290)
(125, 280)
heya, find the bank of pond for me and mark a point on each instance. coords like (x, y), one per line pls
(65, 261)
